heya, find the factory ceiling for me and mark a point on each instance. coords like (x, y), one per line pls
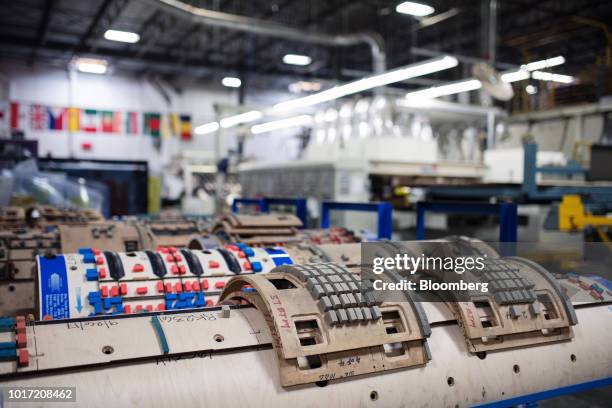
(53, 32)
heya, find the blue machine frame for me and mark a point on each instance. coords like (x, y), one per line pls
(507, 215)
(264, 205)
(532, 399)
(383, 209)
(596, 196)
(259, 202)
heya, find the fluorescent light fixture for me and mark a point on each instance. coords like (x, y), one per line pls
(206, 128)
(549, 76)
(514, 76)
(414, 9)
(523, 73)
(448, 89)
(231, 82)
(296, 59)
(241, 118)
(364, 84)
(302, 120)
(530, 89)
(508, 76)
(90, 65)
(122, 36)
(547, 63)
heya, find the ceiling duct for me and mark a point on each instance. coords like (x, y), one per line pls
(267, 28)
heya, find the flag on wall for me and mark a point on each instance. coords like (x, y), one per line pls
(152, 124)
(89, 120)
(165, 126)
(57, 117)
(108, 120)
(131, 123)
(117, 123)
(14, 115)
(175, 124)
(18, 116)
(39, 120)
(181, 126)
(74, 119)
(185, 127)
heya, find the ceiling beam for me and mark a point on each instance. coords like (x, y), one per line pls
(107, 14)
(125, 59)
(228, 43)
(94, 24)
(320, 17)
(183, 38)
(154, 29)
(43, 29)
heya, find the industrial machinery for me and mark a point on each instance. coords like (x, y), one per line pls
(42, 216)
(276, 229)
(573, 216)
(94, 282)
(64, 232)
(311, 332)
(19, 246)
(97, 282)
(530, 188)
(293, 305)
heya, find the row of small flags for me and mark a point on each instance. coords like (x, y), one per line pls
(41, 118)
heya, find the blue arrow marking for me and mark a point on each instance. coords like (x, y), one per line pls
(79, 304)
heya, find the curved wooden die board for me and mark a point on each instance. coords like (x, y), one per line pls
(311, 349)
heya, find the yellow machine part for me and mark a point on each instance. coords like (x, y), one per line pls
(572, 216)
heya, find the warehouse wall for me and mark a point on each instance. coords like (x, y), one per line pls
(278, 146)
(53, 87)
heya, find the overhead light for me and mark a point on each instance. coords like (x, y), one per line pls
(414, 9)
(530, 89)
(546, 63)
(206, 128)
(241, 118)
(521, 74)
(549, 76)
(364, 84)
(513, 76)
(122, 36)
(231, 82)
(296, 59)
(90, 65)
(448, 89)
(302, 120)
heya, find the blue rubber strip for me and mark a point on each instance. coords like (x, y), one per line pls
(8, 353)
(160, 334)
(7, 323)
(543, 395)
(8, 345)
